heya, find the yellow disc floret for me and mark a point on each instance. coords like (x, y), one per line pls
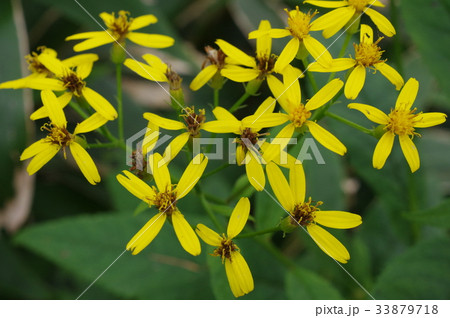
(359, 5)
(299, 22)
(225, 249)
(119, 26)
(58, 136)
(368, 54)
(299, 116)
(165, 201)
(305, 213)
(401, 122)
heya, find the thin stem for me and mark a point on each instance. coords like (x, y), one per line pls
(119, 100)
(78, 109)
(257, 233)
(206, 175)
(347, 39)
(210, 213)
(103, 145)
(310, 75)
(349, 123)
(216, 97)
(239, 102)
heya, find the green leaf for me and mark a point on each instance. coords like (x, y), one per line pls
(421, 272)
(86, 245)
(434, 23)
(306, 284)
(438, 216)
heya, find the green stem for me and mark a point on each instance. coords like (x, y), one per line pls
(216, 97)
(103, 145)
(210, 213)
(239, 102)
(78, 109)
(349, 123)
(119, 100)
(206, 175)
(347, 39)
(257, 233)
(310, 75)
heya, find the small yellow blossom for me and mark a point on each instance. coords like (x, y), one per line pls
(165, 197)
(216, 58)
(238, 273)
(299, 26)
(59, 138)
(307, 214)
(350, 10)
(252, 151)
(66, 79)
(120, 28)
(298, 114)
(401, 121)
(367, 56)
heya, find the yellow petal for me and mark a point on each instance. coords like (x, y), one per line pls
(85, 35)
(372, 113)
(208, 236)
(280, 186)
(87, 58)
(85, 163)
(239, 74)
(297, 183)
(221, 126)
(239, 275)
(164, 122)
(160, 172)
(155, 62)
(278, 90)
(425, 120)
(366, 34)
(99, 103)
(327, 4)
(410, 152)
(328, 243)
(145, 71)
(240, 155)
(238, 218)
(54, 109)
(83, 70)
(42, 112)
(407, 95)
(318, 51)
(40, 83)
(42, 158)
(146, 234)
(287, 55)
(325, 94)
(264, 42)
(326, 139)
(150, 138)
(333, 21)
(100, 39)
(191, 175)
(107, 18)
(263, 121)
(338, 219)
(157, 41)
(142, 21)
(381, 22)
(273, 33)
(254, 170)
(292, 87)
(185, 234)
(90, 124)
(222, 114)
(21, 82)
(272, 151)
(54, 65)
(337, 65)
(355, 82)
(175, 146)
(35, 148)
(236, 54)
(266, 107)
(136, 186)
(391, 74)
(203, 77)
(383, 150)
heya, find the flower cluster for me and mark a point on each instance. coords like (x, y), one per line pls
(63, 82)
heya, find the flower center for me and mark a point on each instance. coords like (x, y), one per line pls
(299, 22)
(401, 122)
(57, 136)
(224, 250)
(265, 65)
(174, 79)
(194, 121)
(216, 57)
(359, 5)
(304, 213)
(165, 201)
(368, 54)
(119, 27)
(299, 116)
(73, 83)
(248, 139)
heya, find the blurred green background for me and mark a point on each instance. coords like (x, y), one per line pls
(58, 233)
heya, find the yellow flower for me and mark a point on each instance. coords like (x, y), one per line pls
(193, 123)
(238, 273)
(165, 197)
(252, 151)
(66, 79)
(241, 67)
(304, 213)
(120, 28)
(401, 121)
(299, 26)
(289, 97)
(216, 58)
(367, 56)
(59, 138)
(347, 11)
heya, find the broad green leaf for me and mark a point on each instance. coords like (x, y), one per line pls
(421, 272)
(86, 245)
(437, 216)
